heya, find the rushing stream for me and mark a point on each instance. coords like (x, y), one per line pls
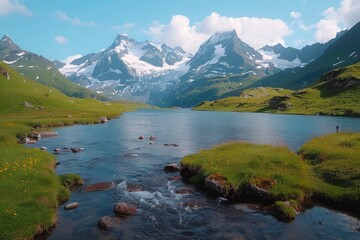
(113, 152)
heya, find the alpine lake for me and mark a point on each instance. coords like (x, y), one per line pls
(113, 153)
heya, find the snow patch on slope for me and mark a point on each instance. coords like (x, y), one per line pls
(271, 57)
(218, 53)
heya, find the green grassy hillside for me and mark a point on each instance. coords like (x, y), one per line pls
(29, 188)
(338, 93)
(39, 69)
(191, 93)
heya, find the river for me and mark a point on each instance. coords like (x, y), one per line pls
(113, 152)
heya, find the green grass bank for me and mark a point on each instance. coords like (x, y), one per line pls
(326, 170)
(29, 187)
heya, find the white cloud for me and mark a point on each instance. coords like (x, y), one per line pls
(349, 12)
(69, 59)
(257, 32)
(13, 6)
(74, 20)
(335, 19)
(295, 15)
(60, 40)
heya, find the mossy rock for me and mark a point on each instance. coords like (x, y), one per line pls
(71, 180)
(285, 211)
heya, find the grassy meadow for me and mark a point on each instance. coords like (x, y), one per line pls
(335, 159)
(337, 94)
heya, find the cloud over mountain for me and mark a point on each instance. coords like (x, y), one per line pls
(345, 16)
(257, 32)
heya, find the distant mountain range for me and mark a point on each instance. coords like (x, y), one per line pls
(40, 69)
(158, 74)
(289, 57)
(128, 69)
(340, 52)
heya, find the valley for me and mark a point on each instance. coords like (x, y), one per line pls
(153, 120)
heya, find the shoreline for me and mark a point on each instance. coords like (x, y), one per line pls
(10, 142)
(266, 182)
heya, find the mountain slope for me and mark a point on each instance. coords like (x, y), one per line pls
(39, 69)
(222, 64)
(129, 69)
(338, 93)
(23, 98)
(343, 52)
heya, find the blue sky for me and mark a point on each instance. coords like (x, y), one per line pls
(57, 29)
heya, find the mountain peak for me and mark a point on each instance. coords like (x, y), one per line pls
(121, 37)
(221, 36)
(7, 43)
(6, 38)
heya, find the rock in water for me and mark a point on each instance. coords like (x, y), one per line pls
(125, 209)
(173, 167)
(184, 190)
(72, 205)
(103, 119)
(107, 222)
(99, 186)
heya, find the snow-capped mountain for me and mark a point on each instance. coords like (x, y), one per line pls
(340, 52)
(225, 54)
(289, 57)
(223, 64)
(129, 69)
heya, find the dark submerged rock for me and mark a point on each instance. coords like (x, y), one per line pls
(125, 209)
(99, 186)
(107, 222)
(184, 190)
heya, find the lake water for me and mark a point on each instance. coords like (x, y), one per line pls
(113, 152)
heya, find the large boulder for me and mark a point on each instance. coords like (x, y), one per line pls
(107, 222)
(125, 209)
(217, 185)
